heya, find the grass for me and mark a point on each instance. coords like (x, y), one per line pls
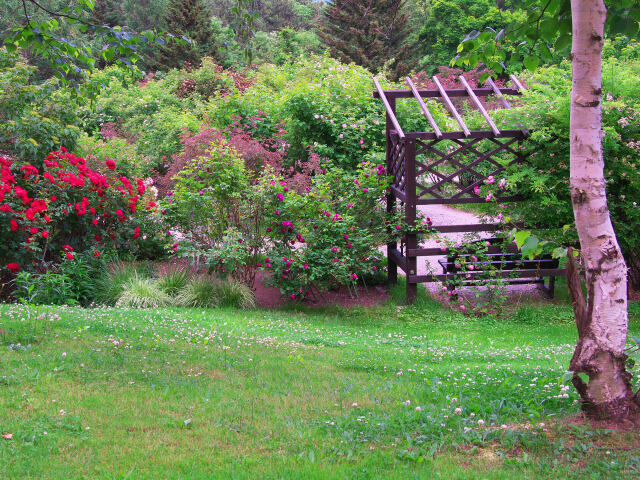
(297, 393)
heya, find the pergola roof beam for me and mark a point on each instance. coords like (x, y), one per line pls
(479, 106)
(452, 109)
(424, 108)
(388, 108)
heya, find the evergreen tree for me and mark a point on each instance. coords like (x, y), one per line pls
(367, 32)
(188, 18)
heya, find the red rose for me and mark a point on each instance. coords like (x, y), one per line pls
(136, 232)
(111, 165)
(45, 234)
(14, 267)
(69, 255)
(14, 225)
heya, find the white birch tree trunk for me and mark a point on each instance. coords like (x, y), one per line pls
(602, 319)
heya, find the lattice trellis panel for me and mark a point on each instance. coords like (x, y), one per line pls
(397, 163)
(451, 174)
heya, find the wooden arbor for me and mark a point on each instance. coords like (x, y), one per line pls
(445, 167)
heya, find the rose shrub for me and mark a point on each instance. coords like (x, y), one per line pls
(319, 236)
(52, 213)
(329, 234)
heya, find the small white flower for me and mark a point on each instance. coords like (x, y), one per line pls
(480, 423)
(418, 409)
(458, 411)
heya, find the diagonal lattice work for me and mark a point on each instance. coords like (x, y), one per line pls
(448, 171)
(447, 167)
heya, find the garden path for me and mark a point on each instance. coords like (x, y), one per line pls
(445, 215)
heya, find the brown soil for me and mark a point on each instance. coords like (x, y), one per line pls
(270, 297)
(631, 424)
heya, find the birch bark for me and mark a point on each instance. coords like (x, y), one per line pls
(602, 319)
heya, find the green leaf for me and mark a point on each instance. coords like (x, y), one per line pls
(618, 24)
(521, 237)
(529, 248)
(549, 29)
(563, 42)
(531, 62)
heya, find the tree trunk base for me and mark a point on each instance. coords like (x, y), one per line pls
(621, 411)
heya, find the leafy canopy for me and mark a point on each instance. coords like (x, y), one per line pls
(71, 59)
(545, 33)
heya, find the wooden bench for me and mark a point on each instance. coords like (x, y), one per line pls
(506, 261)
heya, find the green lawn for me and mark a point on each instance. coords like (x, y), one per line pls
(370, 393)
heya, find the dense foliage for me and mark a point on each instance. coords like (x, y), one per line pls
(544, 180)
(273, 166)
(35, 118)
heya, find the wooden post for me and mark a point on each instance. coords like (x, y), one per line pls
(392, 268)
(410, 218)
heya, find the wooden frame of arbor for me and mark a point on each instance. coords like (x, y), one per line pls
(445, 172)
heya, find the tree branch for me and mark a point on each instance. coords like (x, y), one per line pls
(26, 14)
(57, 14)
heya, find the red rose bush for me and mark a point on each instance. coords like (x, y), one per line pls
(64, 208)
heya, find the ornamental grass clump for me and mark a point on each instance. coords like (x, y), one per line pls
(172, 280)
(204, 291)
(141, 292)
(109, 288)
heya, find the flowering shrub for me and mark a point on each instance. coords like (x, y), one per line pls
(52, 213)
(329, 234)
(325, 105)
(214, 215)
(324, 235)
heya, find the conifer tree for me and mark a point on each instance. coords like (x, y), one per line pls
(191, 19)
(367, 32)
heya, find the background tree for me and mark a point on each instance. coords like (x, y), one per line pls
(598, 363)
(368, 32)
(449, 22)
(61, 35)
(188, 19)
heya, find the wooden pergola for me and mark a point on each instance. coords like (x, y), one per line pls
(427, 168)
